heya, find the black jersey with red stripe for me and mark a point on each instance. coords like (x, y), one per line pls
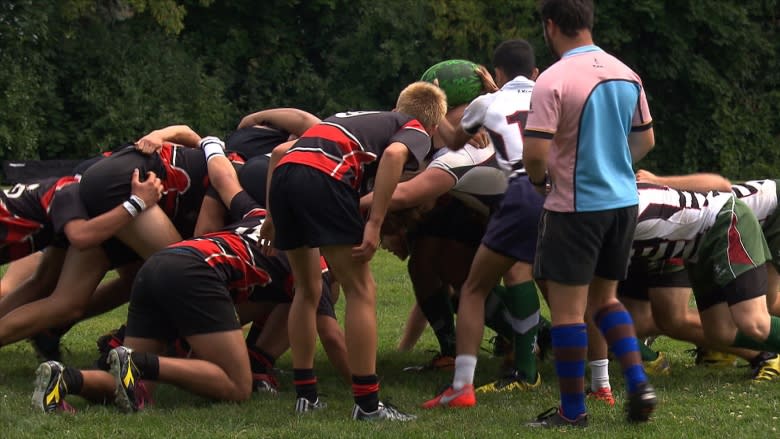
(29, 213)
(348, 146)
(255, 141)
(182, 170)
(235, 253)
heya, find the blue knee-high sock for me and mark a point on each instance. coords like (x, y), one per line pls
(618, 329)
(570, 346)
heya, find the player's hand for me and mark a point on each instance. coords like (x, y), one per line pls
(488, 84)
(267, 234)
(543, 190)
(149, 144)
(643, 176)
(481, 140)
(396, 244)
(365, 251)
(149, 190)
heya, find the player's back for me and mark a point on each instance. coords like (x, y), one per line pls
(505, 119)
(759, 195)
(670, 221)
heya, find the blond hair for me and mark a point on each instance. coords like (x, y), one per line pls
(424, 102)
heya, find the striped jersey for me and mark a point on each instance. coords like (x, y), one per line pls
(348, 146)
(503, 114)
(670, 221)
(236, 255)
(759, 195)
(479, 181)
(31, 215)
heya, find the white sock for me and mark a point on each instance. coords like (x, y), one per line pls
(599, 374)
(464, 371)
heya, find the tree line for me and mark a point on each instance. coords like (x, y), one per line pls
(82, 76)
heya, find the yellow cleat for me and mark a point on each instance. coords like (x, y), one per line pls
(659, 366)
(715, 358)
(767, 370)
(513, 382)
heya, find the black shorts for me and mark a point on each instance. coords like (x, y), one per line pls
(176, 293)
(513, 228)
(312, 209)
(118, 253)
(253, 177)
(748, 285)
(573, 246)
(644, 274)
(452, 219)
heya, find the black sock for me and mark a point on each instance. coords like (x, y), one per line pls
(148, 364)
(305, 384)
(437, 309)
(73, 379)
(365, 390)
(253, 334)
(260, 361)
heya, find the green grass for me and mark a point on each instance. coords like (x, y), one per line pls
(694, 401)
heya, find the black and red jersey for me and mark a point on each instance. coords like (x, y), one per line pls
(255, 141)
(31, 215)
(348, 146)
(182, 170)
(235, 253)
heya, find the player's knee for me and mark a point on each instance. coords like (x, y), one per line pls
(757, 329)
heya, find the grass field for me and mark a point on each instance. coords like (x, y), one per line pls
(694, 401)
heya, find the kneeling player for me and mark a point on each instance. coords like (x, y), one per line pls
(188, 289)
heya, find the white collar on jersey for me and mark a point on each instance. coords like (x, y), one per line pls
(519, 82)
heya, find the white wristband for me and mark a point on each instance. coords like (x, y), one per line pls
(130, 209)
(136, 201)
(212, 147)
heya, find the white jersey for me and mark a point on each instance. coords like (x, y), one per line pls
(670, 221)
(479, 182)
(759, 195)
(502, 114)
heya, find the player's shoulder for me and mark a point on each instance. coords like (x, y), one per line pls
(466, 156)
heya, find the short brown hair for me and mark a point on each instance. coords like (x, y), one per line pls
(571, 16)
(424, 102)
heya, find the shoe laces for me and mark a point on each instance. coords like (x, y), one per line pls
(549, 413)
(393, 410)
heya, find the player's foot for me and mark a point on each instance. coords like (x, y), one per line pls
(512, 382)
(303, 405)
(50, 389)
(767, 370)
(130, 393)
(453, 398)
(604, 394)
(385, 412)
(705, 357)
(47, 345)
(439, 362)
(641, 403)
(554, 419)
(659, 366)
(265, 383)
